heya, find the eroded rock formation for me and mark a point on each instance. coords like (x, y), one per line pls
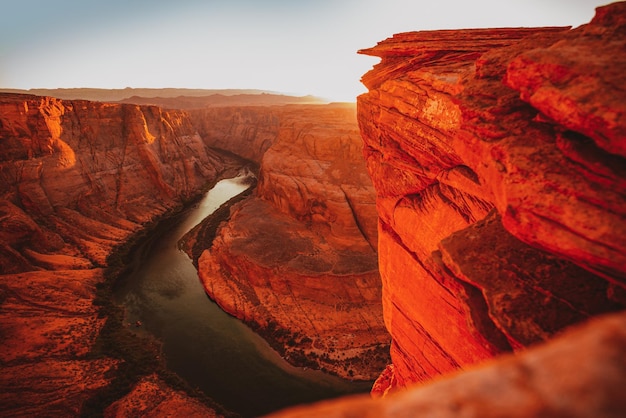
(77, 179)
(298, 259)
(497, 159)
(153, 398)
(247, 131)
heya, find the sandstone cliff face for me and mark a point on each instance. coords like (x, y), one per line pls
(298, 259)
(498, 161)
(77, 178)
(247, 131)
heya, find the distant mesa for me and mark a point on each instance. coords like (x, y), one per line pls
(219, 99)
(175, 98)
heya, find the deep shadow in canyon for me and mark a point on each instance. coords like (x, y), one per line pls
(206, 347)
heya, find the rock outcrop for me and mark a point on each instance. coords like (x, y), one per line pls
(77, 179)
(497, 158)
(297, 260)
(151, 397)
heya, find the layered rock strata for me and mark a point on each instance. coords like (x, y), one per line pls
(497, 156)
(247, 131)
(297, 260)
(77, 179)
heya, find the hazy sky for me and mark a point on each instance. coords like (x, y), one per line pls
(292, 46)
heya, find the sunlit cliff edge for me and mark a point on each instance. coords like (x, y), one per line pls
(498, 158)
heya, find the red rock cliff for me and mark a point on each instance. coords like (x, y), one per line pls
(497, 157)
(298, 259)
(247, 131)
(77, 178)
(498, 161)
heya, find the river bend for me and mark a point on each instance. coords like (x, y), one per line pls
(210, 349)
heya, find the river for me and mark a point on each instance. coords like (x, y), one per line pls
(210, 349)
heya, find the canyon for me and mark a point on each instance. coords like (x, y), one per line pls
(82, 181)
(297, 260)
(78, 179)
(462, 231)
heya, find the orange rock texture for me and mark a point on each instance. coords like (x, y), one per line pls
(153, 398)
(247, 131)
(556, 379)
(498, 160)
(297, 260)
(77, 178)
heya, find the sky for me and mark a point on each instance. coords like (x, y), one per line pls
(290, 46)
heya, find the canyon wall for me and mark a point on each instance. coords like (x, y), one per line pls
(498, 161)
(497, 157)
(297, 260)
(77, 179)
(247, 131)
